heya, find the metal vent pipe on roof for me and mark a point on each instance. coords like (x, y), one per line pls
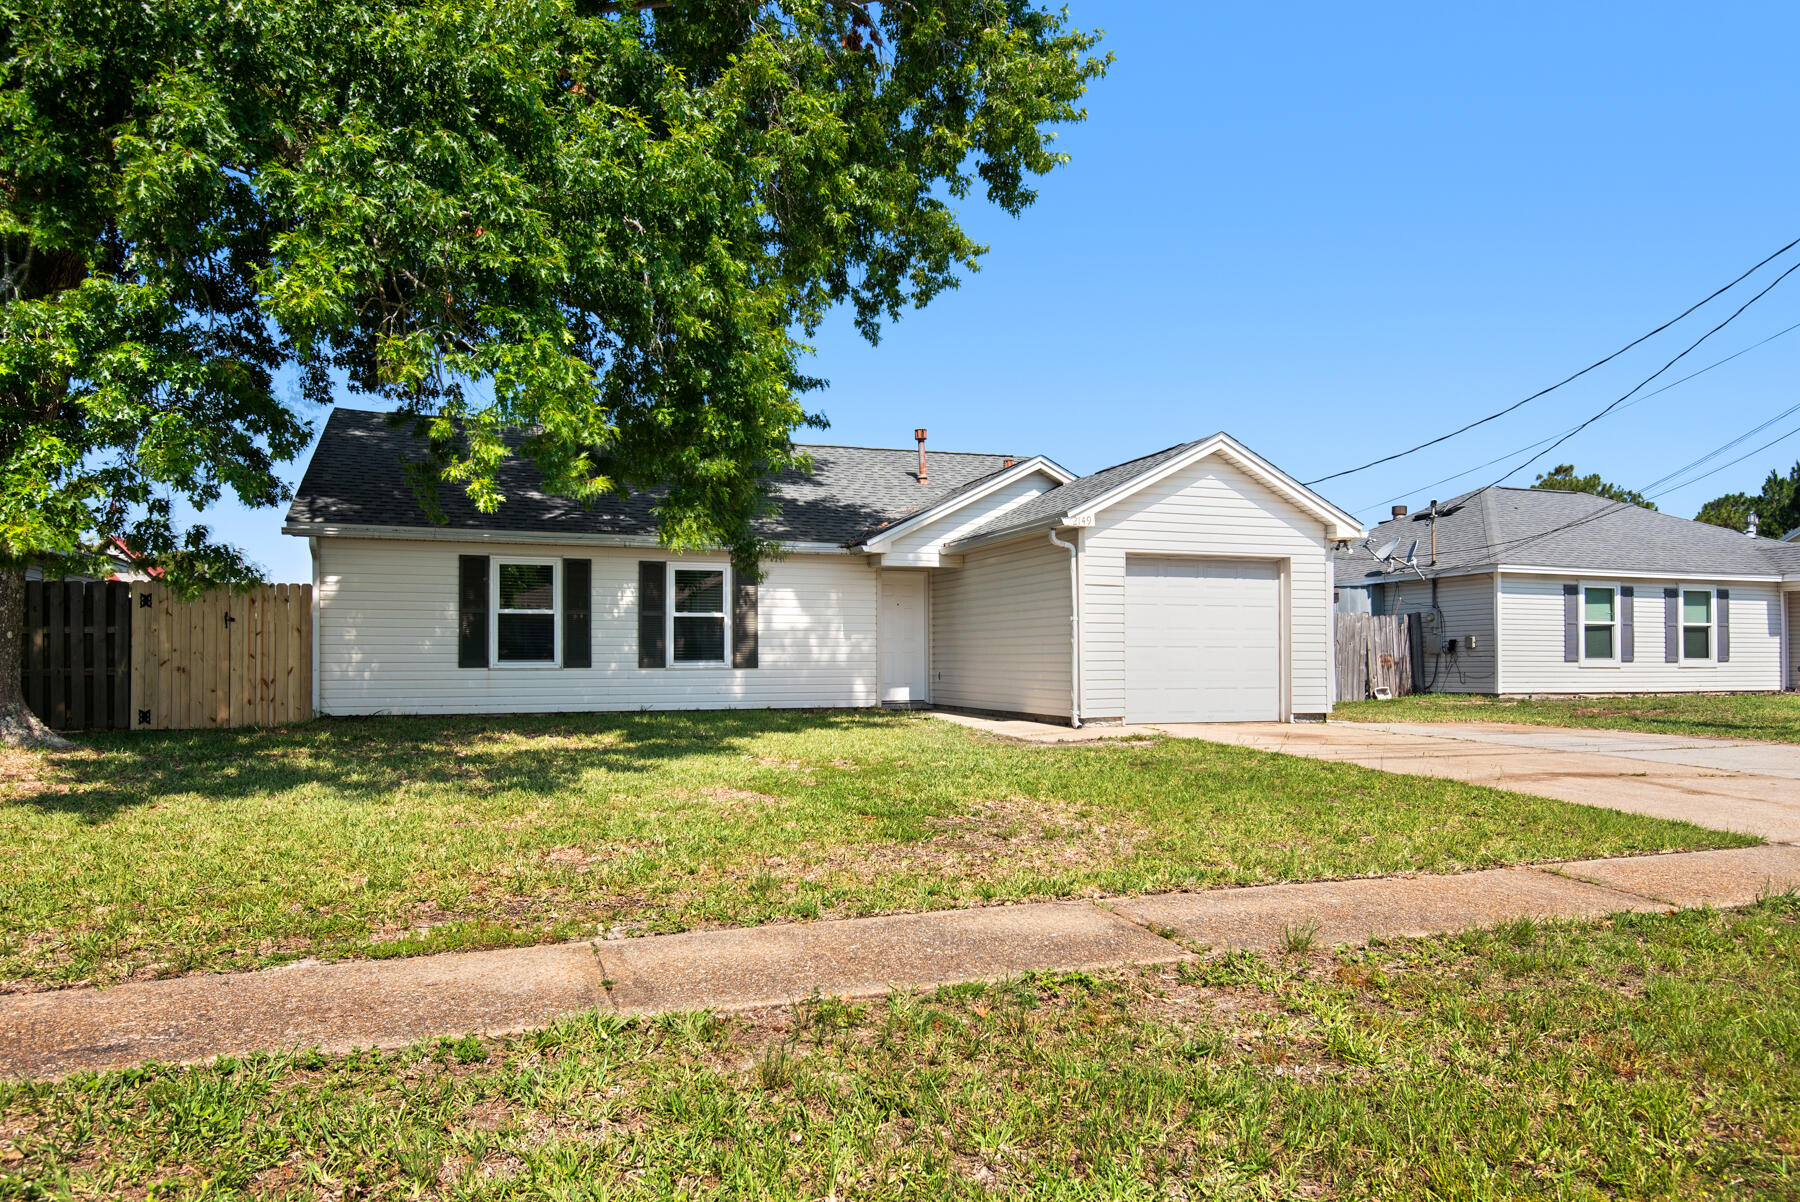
(920, 435)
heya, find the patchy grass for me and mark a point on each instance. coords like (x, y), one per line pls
(160, 853)
(1647, 1057)
(1774, 717)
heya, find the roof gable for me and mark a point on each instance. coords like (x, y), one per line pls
(1075, 503)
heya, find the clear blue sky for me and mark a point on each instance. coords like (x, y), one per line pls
(1334, 231)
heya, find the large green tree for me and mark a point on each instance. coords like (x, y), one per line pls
(1777, 506)
(604, 227)
(1562, 478)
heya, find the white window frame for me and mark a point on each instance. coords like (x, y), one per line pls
(1681, 625)
(556, 608)
(724, 615)
(1582, 623)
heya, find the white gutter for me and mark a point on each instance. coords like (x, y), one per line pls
(451, 534)
(1074, 550)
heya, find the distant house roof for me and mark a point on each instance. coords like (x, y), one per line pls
(1569, 531)
(357, 479)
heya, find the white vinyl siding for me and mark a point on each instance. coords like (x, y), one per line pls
(1531, 641)
(1000, 630)
(1467, 603)
(387, 626)
(1214, 508)
(928, 538)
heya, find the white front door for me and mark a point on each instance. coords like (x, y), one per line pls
(1202, 640)
(904, 662)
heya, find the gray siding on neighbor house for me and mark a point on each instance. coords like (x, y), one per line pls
(1000, 630)
(387, 636)
(1467, 603)
(1531, 640)
(1214, 508)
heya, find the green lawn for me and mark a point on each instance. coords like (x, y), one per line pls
(1774, 717)
(1652, 1056)
(158, 853)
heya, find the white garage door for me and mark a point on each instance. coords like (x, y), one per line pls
(1202, 640)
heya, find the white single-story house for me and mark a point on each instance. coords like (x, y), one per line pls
(1531, 591)
(1194, 584)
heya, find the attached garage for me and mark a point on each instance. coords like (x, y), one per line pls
(1202, 639)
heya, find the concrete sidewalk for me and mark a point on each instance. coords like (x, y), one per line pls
(390, 1003)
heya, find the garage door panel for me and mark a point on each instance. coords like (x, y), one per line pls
(1202, 640)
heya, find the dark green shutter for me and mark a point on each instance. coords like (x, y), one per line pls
(653, 578)
(743, 627)
(472, 611)
(1571, 623)
(1627, 624)
(1722, 619)
(578, 641)
(1671, 625)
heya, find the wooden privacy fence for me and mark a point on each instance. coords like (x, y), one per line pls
(104, 655)
(1377, 651)
(223, 659)
(75, 654)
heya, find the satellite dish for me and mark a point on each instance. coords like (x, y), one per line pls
(1387, 548)
(1412, 551)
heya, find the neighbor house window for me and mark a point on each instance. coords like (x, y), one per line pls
(524, 612)
(697, 616)
(1696, 623)
(1599, 622)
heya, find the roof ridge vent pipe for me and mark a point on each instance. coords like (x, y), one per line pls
(920, 435)
(1073, 547)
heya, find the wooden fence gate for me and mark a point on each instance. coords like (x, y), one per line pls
(75, 654)
(223, 659)
(1377, 651)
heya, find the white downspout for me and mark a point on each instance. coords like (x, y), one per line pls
(1073, 548)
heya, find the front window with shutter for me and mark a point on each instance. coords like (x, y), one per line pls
(1599, 622)
(525, 612)
(1696, 623)
(698, 615)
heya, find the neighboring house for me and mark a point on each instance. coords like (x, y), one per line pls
(129, 565)
(1192, 584)
(1533, 591)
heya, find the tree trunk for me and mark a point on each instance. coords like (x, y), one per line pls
(19, 727)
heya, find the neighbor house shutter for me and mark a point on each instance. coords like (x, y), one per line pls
(1671, 625)
(743, 626)
(578, 643)
(472, 611)
(1627, 624)
(1722, 618)
(653, 579)
(1571, 623)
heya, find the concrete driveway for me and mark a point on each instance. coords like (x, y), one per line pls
(1721, 783)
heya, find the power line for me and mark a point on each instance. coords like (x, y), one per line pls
(1635, 401)
(1584, 371)
(1715, 471)
(1659, 371)
(1750, 433)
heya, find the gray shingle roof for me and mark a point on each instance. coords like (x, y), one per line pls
(357, 478)
(1531, 527)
